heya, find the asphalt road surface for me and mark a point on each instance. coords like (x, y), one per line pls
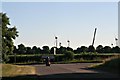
(75, 70)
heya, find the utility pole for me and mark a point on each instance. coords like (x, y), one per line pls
(94, 36)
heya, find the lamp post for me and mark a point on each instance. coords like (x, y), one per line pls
(60, 44)
(112, 44)
(56, 40)
(68, 43)
(55, 48)
(116, 41)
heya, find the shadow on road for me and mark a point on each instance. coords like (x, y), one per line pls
(80, 76)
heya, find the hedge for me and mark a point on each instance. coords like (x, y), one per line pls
(57, 58)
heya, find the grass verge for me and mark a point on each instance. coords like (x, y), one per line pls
(9, 70)
(79, 61)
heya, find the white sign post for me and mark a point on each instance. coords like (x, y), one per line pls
(54, 50)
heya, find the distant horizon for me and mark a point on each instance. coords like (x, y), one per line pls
(39, 22)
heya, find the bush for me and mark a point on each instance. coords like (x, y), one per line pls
(93, 56)
(69, 55)
(58, 58)
(24, 59)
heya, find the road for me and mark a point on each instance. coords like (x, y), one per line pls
(76, 70)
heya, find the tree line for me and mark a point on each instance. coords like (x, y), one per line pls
(46, 50)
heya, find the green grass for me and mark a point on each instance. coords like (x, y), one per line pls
(25, 55)
(9, 70)
(78, 61)
(62, 54)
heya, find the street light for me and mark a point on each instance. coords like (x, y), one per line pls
(56, 40)
(60, 44)
(68, 43)
(116, 41)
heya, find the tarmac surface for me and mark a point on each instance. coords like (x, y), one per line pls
(75, 70)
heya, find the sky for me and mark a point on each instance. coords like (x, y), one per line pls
(39, 22)
(60, 0)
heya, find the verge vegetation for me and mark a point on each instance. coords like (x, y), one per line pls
(14, 70)
(110, 65)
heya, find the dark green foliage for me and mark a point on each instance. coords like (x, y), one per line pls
(91, 48)
(81, 49)
(99, 49)
(28, 50)
(21, 49)
(46, 50)
(8, 34)
(69, 49)
(25, 59)
(58, 58)
(92, 56)
(36, 50)
(107, 49)
(62, 50)
(69, 55)
(115, 49)
(52, 50)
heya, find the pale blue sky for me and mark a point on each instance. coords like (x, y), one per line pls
(38, 22)
(59, 0)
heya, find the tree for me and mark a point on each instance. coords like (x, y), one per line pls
(69, 55)
(39, 50)
(46, 50)
(107, 49)
(78, 50)
(83, 49)
(52, 50)
(21, 49)
(91, 48)
(28, 50)
(15, 50)
(116, 49)
(69, 49)
(99, 49)
(8, 34)
(34, 50)
(61, 50)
